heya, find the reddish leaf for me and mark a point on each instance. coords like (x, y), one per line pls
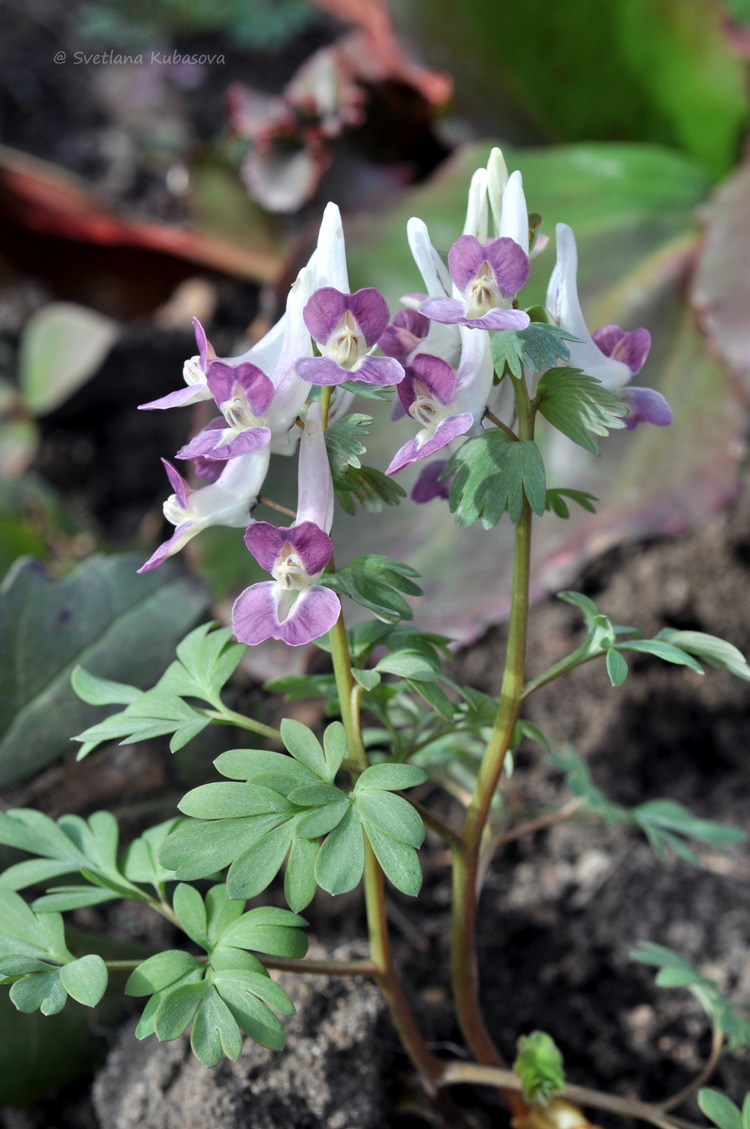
(721, 286)
(55, 222)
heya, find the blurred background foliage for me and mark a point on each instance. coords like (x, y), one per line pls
(136, 194)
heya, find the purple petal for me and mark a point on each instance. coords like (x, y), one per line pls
(167, 548)
(323, 312)
(646, 406)
(446, 431)
(509, 263)
(210, 443)
(449, 311)
(383, 371)
(314, 613)
(255, 615)
(191, 394)
(322, 370)
(204, 348)
(311, 544)
(632, 348)
(181, 488)
(429, 485)
(403, 335)
(434, 373)
(258, 389)
(500, 319)
(208, 469)
(464, 260)
(371, 313)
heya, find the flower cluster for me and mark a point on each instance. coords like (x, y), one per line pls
(436, 353)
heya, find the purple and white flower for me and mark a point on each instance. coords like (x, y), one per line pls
(243, 395)
(612, 355)
(487, 276)
(346, 328)
(193, 373)
(293, 606)
(227, 501)
(446, 403)
(429, 483)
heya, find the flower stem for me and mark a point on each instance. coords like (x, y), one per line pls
(467, 859)
(383, 970)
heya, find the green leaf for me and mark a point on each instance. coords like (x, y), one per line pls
(31, 872)
(393, 777)
(160, 971)
(661, 650)
(341, 858)
(494, 473)
(230, 801)
(196, 849)
(399, 861)
(154, 713)
(343, 442)
(393, 815)
(191, 913)
(376, 582)
(587, 606)
(368, 679)
(267, 929)
(335, 746)
(140, 862)
(370, 487)
(62, 346)
(253, 1016)
(617, 667)
(64, 898)
(177, 1008)
(716, 652)
(102, 691)
(539, 1065)
(676, 972)
(85, 979)
(215, 1031)
(40, 991)
(299, 879)
(538, 346)
(719, 1109)
(260, 984)
(26, 933)
(577, 404)
(102, 616)
(255, 869)
(408, 664)
(304, 747)
(557, 504)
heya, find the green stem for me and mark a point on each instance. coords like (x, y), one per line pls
(467, 859)
(384, 973)
(229, 717)
(581, 655)
(468, 1073)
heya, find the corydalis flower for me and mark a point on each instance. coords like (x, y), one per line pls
(243, 395)
(430, 483)
(612, 355)
(227, 501)
(193, 373)
(293, 606)
(446, 403)
(346, 327)
(487, 276)
(428, 392)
